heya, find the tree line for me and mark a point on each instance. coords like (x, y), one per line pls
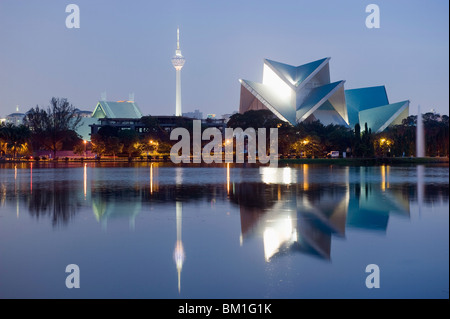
(54, 128)
(314, 139)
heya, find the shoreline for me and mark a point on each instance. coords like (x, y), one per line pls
(369, 161)
(316, 161)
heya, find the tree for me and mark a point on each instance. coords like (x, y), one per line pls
(367, 142)
(15, 137)
(130, 141)
(106, 141)
(255, 119)
(52, 127)
(356, 147)
(310, 146)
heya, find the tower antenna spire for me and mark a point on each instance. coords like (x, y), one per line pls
(178, 38)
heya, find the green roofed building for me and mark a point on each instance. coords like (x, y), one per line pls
(305, 93)
(108, 109)
(119, 109)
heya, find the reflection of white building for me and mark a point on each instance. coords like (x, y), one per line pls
(296, 222)
(278, 175)
(115, 209)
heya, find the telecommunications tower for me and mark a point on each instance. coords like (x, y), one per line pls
(178, 62)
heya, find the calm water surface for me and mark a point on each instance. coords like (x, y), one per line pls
(161, 231)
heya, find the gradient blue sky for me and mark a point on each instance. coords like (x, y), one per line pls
(126, 46)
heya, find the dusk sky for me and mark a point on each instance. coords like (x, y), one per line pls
(126, 47)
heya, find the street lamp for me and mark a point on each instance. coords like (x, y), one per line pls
(85, 143)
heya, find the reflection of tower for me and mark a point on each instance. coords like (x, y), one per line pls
(178, 254)
(420, 187)
(178, 62)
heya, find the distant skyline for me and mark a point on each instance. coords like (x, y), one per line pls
(125, 47)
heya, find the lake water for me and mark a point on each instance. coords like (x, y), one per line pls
(162, 231)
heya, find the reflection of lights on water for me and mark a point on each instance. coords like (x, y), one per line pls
(31, 178)
(305, 177)
(287, 175)
(151, 178)
(279, 233)
(384, 170)
(388, 168)
(15, 171)
(228, 178)
(85, 180)
(278, 175)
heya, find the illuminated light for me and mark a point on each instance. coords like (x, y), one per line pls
(305, 142)
(271, 79)
(15, 171)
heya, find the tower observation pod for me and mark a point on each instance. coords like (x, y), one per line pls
(178, 62)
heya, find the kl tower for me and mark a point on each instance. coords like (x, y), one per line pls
(178, 62)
